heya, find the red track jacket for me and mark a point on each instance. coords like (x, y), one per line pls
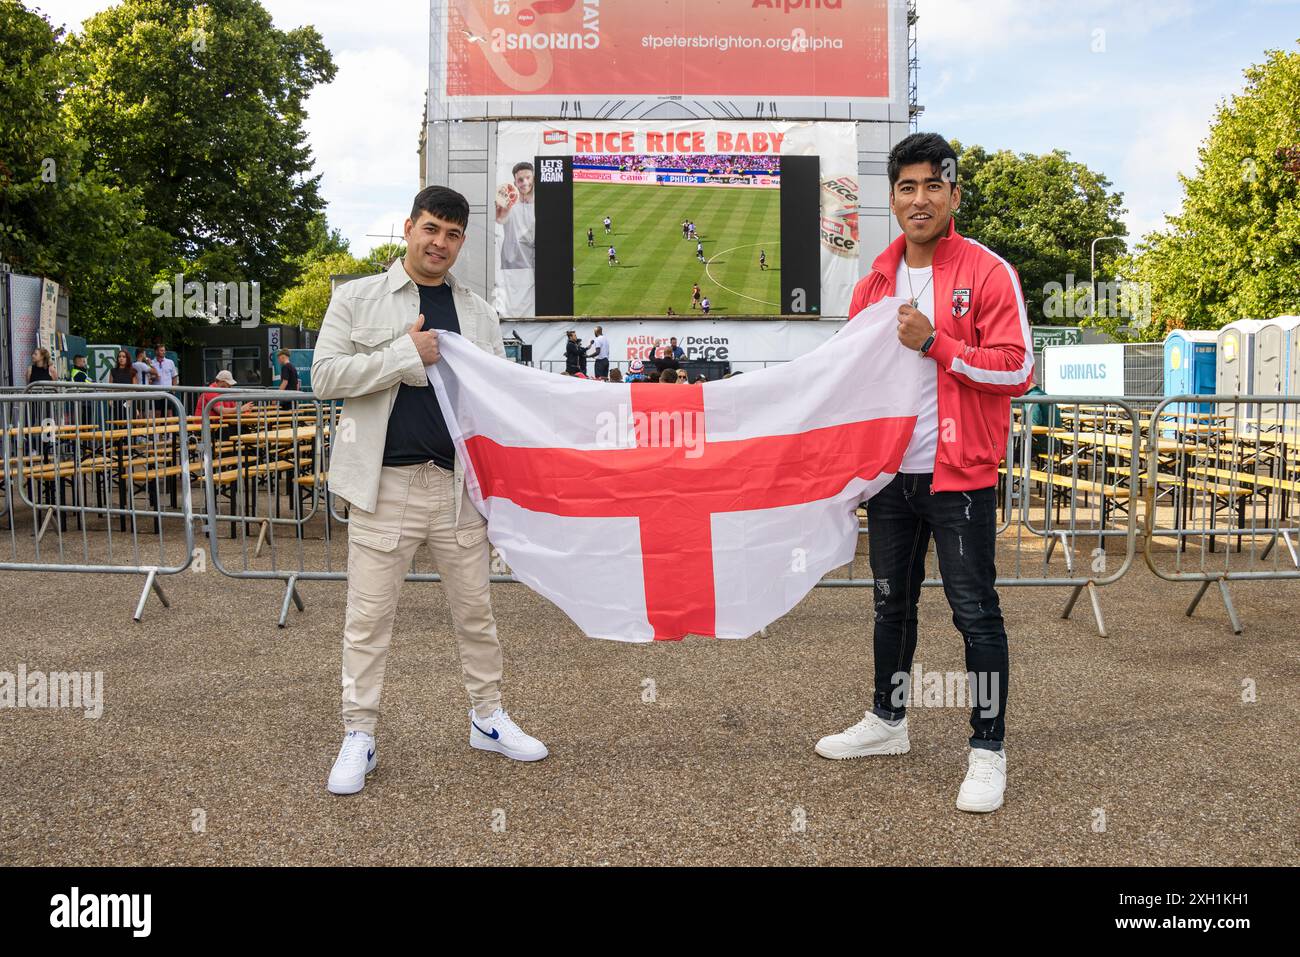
(983, 347)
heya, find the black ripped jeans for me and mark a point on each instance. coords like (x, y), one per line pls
(901, 517)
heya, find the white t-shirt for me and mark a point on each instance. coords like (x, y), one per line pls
(925, 438)
(599, 347)
(518, 239)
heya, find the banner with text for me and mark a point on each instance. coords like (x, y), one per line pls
(771, 49)
(746, 344)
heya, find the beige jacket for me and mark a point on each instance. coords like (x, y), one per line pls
(362, 354)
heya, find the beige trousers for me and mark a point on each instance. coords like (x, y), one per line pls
(414, 507)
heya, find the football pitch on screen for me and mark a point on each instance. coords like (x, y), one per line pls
(656, 266)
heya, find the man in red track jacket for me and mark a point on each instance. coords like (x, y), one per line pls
(964, 311)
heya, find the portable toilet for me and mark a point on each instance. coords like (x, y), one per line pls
(1190, 368)
(1277, 369)
(1235, 363)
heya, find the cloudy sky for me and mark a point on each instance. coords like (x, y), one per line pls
(1126, 86)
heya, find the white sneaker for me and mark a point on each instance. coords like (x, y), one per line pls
(499, 733)
(869, 736)
(986, 780)
(356, 759)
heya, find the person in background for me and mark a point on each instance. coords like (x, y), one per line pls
(123, 373)
(664, 359)
(678, 352)
(223, 380)
(145, 373)
(288, 374)
(168, 376)
(636, 372)
(572, 353)
(40, 370)
(682, 377)
(78, 372)
(668, 377)
(600, 349)
(616, 374)
(705, 305)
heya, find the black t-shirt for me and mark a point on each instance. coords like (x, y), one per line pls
(417, 431)
(288, 374)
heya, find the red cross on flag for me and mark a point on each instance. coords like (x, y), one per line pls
(650, 511)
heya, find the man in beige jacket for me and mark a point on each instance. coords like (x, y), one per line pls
(393, 461)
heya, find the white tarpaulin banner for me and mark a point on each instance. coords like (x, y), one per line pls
(708, 141)
(649, 511)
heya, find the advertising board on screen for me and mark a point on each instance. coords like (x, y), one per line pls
(770, 49)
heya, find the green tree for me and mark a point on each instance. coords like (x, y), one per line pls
(379, 258)
(305, 302)
(1040, 213)
(59, 219)
(1233, 251)
(200, 106)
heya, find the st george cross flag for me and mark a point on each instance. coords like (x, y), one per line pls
(650, 511)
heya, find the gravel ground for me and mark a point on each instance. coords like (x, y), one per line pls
(1132, 749)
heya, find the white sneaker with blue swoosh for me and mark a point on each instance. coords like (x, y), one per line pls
(498, 732)
(356, 759)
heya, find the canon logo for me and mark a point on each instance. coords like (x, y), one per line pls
(789, 6)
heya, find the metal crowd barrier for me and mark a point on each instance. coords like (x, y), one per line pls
(86, 459)
(268, 458)
(1222, 488)
(1218, 488)
(1069, 480)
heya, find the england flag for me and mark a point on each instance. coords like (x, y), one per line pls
(650, 511)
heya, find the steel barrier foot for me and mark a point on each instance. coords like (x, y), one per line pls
(1096, 609)
(1200, 593)
(1290, 546)
(45, 523)
(150, 584)
(1069, 605)
(1227, 603)
(1269, 547)
(290, 594)
(261, 537)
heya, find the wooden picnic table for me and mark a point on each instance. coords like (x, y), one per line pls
(288, 435)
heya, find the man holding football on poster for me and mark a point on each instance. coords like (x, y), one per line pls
(516, 214)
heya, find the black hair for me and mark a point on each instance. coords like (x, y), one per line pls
(519, 166)
(440, 201)
(923, 148)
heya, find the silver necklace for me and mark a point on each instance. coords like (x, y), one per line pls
(912, 303)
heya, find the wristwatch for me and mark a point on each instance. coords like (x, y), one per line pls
(925, 346)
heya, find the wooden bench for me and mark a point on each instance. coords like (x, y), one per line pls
(150, 474)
